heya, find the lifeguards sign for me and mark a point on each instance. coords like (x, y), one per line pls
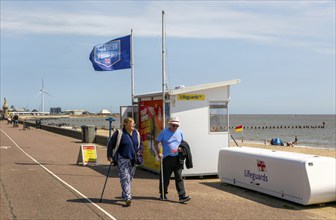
(87, 155)
(191, 97)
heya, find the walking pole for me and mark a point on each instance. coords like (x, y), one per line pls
(107, 175)
(162, 184)
(108, 171)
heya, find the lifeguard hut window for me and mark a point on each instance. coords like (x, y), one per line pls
(218, 114)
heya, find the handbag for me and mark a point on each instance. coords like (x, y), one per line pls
(138, 159)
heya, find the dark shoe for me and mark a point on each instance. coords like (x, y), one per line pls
(129, 202)
(164, 197)
(183, 199)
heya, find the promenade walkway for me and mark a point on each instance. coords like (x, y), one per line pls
(40, 180)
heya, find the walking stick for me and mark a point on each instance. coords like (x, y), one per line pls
(107, 175)
(162, 184)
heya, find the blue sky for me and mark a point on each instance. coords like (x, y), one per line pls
(282, 51)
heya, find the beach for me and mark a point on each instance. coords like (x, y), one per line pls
(326, 152)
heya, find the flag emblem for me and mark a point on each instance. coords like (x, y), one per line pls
(261, 166)
(113, 55)
(107, 54)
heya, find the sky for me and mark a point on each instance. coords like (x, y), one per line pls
(282, 51)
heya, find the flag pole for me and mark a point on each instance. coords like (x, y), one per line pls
(132, 74)
(163, 102)
(163, 74)
(228, 116)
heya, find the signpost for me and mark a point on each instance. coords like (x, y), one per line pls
(110, 119)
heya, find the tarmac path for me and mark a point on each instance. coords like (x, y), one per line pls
(41, 180)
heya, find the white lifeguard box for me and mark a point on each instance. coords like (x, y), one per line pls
(301, 178)
(204, 117)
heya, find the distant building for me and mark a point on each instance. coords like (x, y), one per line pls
(55, 110)
(74, 112)
(104, 112)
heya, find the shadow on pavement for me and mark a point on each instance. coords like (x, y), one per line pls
(139, 173)
(264, 199)
(117, 201)
(97, 201)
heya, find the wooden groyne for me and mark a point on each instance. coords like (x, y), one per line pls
(283, 127)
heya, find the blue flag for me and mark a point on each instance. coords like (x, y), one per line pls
(113, 55)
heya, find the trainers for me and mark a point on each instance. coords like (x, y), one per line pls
(183, 199)
(164, 197)
(129, 202)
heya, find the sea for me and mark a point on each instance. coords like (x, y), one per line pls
(311, 130)
(318, 131)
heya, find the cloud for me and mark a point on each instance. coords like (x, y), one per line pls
(311, 23)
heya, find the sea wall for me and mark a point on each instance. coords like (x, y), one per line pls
(101, 140)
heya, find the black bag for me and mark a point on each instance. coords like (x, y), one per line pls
(137, 159)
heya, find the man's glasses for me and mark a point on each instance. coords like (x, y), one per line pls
(175, 126)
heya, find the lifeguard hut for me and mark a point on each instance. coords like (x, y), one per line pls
(203, 111)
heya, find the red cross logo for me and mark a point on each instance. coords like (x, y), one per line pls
(261, 166)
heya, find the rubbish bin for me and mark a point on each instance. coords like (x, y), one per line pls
(88, 133)
(38, 124)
